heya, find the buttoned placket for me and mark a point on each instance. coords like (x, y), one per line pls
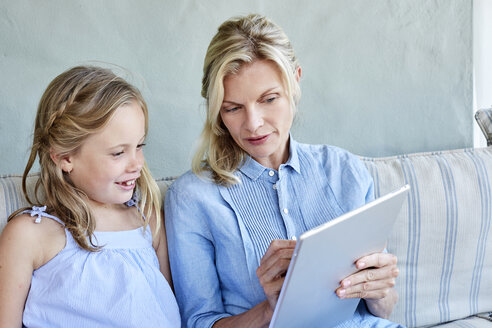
(283, 202)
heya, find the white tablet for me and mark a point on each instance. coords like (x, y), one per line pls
(325, 255)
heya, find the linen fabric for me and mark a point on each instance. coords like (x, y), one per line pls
(217, 235)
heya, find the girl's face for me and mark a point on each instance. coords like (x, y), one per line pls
(109, 162)
(257, 113)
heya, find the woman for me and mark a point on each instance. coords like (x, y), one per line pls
(233, 220)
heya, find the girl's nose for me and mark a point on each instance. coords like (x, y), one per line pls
(136, 162)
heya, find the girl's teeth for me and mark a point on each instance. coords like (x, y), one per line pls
(129, 183)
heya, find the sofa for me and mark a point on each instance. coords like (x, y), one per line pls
(441, 236)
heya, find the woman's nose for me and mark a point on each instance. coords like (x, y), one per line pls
(254, 119)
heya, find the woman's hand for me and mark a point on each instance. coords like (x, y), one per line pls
(373, 282)
(273, 267)
(271, 272)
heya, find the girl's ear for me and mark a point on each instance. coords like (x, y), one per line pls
(64, 162)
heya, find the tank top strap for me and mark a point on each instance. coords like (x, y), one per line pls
(134, 202)
(40, 213)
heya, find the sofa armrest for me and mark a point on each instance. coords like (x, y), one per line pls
(484, 120)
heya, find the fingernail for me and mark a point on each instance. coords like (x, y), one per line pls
(346, 283)
(360, 265)
(341, 292)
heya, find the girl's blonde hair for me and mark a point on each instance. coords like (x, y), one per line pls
(76, 104)
(238, 41)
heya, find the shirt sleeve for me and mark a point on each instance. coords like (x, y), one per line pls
(365, 179)
(192, 259)
(348, 177)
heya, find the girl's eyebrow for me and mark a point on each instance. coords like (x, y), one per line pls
(126, 145)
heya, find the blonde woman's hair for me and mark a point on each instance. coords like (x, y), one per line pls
(239, 41)
(77, 104)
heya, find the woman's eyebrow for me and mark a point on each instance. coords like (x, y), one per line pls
(270, 90)
(230, 102)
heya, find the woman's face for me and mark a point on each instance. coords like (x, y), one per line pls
(257, 113)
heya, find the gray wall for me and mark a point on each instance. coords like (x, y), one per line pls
(380, 77)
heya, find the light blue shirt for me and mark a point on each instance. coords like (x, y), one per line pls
(217, 235)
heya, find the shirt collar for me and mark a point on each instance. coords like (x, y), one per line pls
(293, 160)
(253, 170)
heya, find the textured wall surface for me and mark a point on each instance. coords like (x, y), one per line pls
(380, 77)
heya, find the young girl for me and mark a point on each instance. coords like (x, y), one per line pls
(93, 252)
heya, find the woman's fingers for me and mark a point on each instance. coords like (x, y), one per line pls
(273, 266)
(374, 281)
(371, 274)
(367, 289)
(377, 260)
(275, 246)
(276, 260)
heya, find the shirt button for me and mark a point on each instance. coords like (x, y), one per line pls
(274, 186)
(271, 173)
(294, 238)
(286, 211)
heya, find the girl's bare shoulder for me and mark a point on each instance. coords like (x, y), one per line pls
(40, 241)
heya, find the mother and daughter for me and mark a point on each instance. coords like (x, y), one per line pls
(92, 250)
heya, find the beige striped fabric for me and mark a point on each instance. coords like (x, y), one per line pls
(442, 234)
(11, 196)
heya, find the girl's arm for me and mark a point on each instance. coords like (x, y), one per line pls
(24, 247)
(17, 260)
(160, 245)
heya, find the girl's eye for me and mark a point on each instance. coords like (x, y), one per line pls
(270, 99)
(117, 154)
(140, 146)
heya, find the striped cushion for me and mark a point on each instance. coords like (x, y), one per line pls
(484, 120)
(442, 234)
(12, 198)
(164, 183)
(471, 322)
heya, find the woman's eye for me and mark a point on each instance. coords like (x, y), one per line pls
(140, 146)
(270, 99)
(117, 154)
(229, 110)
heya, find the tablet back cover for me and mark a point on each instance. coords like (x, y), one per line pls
(325, 255)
